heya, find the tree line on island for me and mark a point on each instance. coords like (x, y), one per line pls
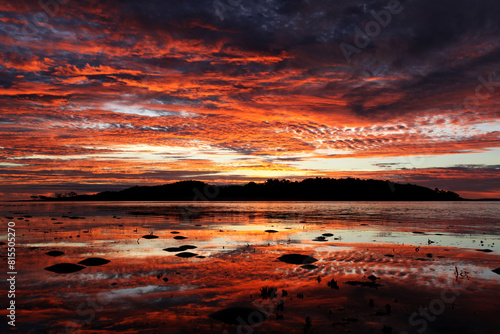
(315, 189)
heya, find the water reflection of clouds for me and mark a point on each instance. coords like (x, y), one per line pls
(241, 258)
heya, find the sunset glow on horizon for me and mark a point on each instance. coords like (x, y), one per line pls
(100, 96)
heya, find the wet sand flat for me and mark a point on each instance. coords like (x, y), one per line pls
(378, 267)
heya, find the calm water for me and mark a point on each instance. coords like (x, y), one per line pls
(381, 267)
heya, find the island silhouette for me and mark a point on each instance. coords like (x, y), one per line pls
(313, 189)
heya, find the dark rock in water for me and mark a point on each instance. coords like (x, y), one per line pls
(389, 255)
(94, 261)
(373, 278)
(179, 249)
(57, 223)
(173, 249)
(165, 279)
(496, 271)
(150, 236)
(186, 254)
(231, 315)
(320, 239)
(484, 250)
(271, 231)
(268, 292)
(9, 217)
(327, 234)
(188, 247)
(333, 284)
(309, 266)
(54, 253)
(418, 232)
(180, 237)
(200, 257)
(362, 283)
(297, 259)
(175, 232)
(65, 268)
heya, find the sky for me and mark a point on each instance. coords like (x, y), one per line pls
(102, 95)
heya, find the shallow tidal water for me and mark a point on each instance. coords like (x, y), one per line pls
(367, 267)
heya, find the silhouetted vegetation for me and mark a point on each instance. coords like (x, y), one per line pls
(318, 189)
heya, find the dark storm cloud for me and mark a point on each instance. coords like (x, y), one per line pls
(421, 42)
(254, 78)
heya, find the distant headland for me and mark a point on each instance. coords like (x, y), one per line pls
(315, 189)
